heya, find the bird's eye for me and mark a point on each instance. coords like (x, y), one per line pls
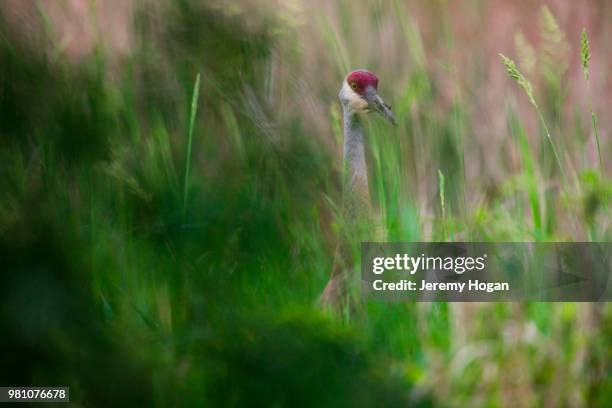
(354, 85)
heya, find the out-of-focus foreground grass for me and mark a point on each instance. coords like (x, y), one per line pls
(138, 271)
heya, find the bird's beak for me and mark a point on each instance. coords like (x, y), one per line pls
(376, 103)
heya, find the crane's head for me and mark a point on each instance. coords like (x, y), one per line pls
(359, 94)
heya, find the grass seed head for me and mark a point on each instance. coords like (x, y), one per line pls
(518, 77)
(585, 53)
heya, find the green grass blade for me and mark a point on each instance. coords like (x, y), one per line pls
(441, 182)
(594, 122)
(192, 115)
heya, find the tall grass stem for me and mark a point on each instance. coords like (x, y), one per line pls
(441, 183)
(520, 79)
(552, 143)
(192, 115)
(585, 53)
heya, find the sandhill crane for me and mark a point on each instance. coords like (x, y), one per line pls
(358, 96)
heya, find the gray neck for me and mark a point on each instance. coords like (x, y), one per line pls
(355, 171)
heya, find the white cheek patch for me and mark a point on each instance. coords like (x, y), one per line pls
(356, 102)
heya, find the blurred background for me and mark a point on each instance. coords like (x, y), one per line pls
(170, 192)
